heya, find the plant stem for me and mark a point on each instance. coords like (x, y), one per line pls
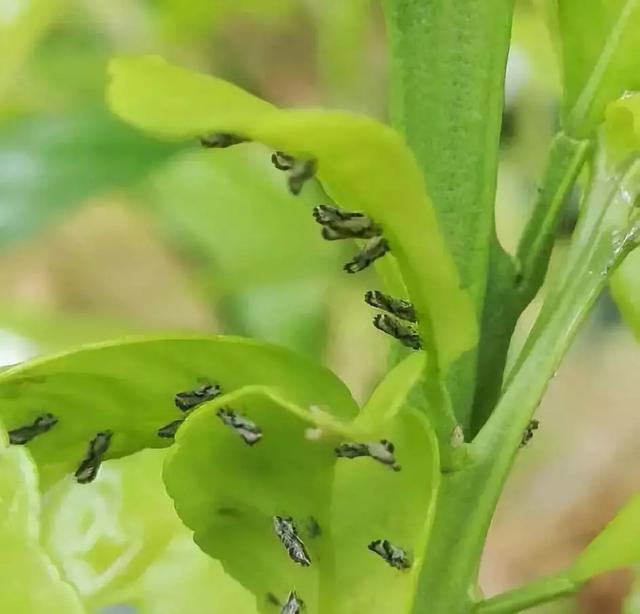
(521, 598)
(448, 61)
(511, 288)
(564, 162)
(467, 499)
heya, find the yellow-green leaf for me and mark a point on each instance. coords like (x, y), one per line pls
(31, 584)
(617, 546)
(600, 57)
(228, 492)
(128, 387)
(362, 164)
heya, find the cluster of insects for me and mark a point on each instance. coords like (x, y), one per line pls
(88, 468)
(337, 224)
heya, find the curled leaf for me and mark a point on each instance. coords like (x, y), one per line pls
(362, 164)
(229, 492)
(129, 387)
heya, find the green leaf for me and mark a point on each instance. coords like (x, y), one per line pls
(50, 164)
(128, 386)
(600, 57)
(119, 540)
(363, 165)
(228, 493)
(617, 546)
(184, 579)
(621, 139)
(621, 130)
(104, 535)
(22, 25)
(370, 503)
(250, 233)
(31, 583)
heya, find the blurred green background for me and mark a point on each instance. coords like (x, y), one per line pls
(105, 232)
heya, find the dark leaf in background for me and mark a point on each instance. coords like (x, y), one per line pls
(50, 164)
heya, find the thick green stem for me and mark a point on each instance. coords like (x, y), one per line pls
(539, 591)
(448, 61)
(511, 288)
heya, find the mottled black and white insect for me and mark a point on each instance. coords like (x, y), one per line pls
(221, 140)
(393, 555)
(300, 171)
(282, 161)
(382, 451)
(395, 306)
(249, 431)
(24, 434)
(375, 248)
(168, 431)
(405, 333)
(88, 469)
(286, 531)
(293, 605)
(190, 399)
(528, 432)
(338, 224)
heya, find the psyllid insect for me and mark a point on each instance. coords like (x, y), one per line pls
(300, 171)
(24, 434)
(338, 224)
(190, 399)
(221, 140)
(527, 436)
(393, 555)
(293, 605)
(282, 161)
(169, 430)
(405, 333)
(395, 306)
(248, 430)
(88, 469)
(287, 534)
(382, 451)
(374, 249)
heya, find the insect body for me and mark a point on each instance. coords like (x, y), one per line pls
(528, 432)
(88, 469)
(248, 430)
(395, 306)
(405, 333)
(286, 532)
(221, 140)
(374, 249)
(393, 555)
(190, 399)
(293, 605)
(169, 430)
(24, 434)
(338, 224)
(300, 171)
(382, 451)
